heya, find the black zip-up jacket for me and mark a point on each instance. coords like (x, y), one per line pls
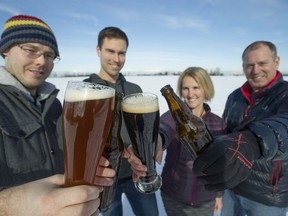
(125, 87)
(29, 149)
(265, 113)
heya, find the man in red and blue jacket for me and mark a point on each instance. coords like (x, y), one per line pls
(251, 161)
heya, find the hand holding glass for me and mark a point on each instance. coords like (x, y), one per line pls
(86, 122)
(141, 116)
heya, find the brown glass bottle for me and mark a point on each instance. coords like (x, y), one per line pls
(113, 150)
(191, 129)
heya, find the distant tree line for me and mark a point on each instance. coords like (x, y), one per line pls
(70, 74)
(216, 72)
(213, 72)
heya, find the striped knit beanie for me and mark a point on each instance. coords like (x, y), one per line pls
(24, 29)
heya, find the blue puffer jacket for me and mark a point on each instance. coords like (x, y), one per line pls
(266, 115)
(179, 181)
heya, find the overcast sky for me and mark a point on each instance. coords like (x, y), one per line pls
(164, 35)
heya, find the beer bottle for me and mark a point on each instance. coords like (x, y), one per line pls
(112, 151)
(191, 129)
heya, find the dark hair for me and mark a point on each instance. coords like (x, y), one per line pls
(257, 44)
(111, 32)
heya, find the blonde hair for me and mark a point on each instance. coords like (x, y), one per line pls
(202, 77)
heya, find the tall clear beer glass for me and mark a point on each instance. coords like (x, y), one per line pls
(141, 116)
(86, 121)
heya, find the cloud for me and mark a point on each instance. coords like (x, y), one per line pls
(9, 10)
(184, 22)
(240, 31)
(84, 17)
(213, 2)
(125, 13)
(268, 2)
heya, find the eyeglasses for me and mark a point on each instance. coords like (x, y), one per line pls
(34, 53)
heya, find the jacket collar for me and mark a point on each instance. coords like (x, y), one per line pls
(43, 92)
(119, 82)
(98, 79)
(247, 90)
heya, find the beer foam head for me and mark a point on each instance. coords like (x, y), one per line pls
(140, 103)
(81, 91)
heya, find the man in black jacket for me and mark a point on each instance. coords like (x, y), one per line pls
(111, 49)
(31, 158)
(251, 161)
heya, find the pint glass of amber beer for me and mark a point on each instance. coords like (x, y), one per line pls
(141, 116)
(86, 121)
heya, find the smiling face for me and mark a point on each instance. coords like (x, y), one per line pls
(260, 67)
(193, 94)
(30, 72)
(112, 56)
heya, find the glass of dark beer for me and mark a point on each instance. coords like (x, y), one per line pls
(86, 121)
(141, 116)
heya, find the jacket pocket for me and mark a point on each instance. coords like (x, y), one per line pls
(23, 147)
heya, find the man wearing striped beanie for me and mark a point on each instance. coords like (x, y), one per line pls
(28, 43)
(31, 157)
